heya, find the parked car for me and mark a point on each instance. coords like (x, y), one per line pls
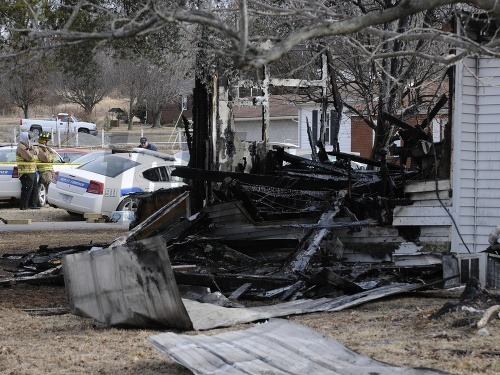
(106, 183)
(10, 185)
(183, 157)
(354, 164)
(70, 154)
(63, 122)
(89, 157)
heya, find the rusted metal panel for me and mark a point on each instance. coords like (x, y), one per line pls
(130, 285)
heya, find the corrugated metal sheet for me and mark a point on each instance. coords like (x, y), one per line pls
(274, 347)
(476, 152)
(131, 285)
(208, 316)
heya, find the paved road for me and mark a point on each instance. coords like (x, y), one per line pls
(49, 219)
(64, 226)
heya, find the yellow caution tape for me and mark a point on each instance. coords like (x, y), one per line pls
(13, 163)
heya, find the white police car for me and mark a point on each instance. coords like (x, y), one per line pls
(104, 184)
(10, 185)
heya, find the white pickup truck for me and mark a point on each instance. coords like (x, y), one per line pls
(64, 122)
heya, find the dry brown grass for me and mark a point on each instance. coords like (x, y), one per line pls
(394, 330)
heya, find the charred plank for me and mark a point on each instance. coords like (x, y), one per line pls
(231, 282)
(240, 291)
(304, 255)
(328, 277)
(308, 183)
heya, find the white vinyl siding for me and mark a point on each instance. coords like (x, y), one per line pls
(279, 130)
(476, 153)
(344, 131)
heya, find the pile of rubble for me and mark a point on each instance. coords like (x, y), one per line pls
(264, 238)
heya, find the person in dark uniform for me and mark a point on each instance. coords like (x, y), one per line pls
(46, 157)
(26, 158)
(148, 146)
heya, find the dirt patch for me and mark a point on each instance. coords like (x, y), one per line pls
(22, 241)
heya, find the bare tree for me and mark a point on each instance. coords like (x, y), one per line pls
(26, 83)
(165, 84)
(250, 32)
(133, 81)
(89, 85)
(399, 80)
(247, 34)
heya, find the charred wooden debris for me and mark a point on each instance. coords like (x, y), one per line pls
(273, 235)
(38, 267)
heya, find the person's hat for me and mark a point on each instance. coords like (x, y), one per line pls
(46, 136)
(143, 139)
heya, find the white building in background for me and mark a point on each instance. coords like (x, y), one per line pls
(288, 124)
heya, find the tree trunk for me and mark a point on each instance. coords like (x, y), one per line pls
(87, 112)
(130, 115)
(156, 118)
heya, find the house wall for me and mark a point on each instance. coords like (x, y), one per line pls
(171, 114)
(362, 137)
(281, 130)
(476, 153)
(306, 114)
(354, 134)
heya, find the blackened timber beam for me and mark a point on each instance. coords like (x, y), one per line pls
(441, 102)
(293, 290)
(294, 159)
(326, 276)
(333, 224)
(240, 291)
(409, 132)
(298, 183)
(398, 122)
(303, 256)
(363, 184)
(311, 141)
(231, 282)
(35, 279)
(359, 159)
